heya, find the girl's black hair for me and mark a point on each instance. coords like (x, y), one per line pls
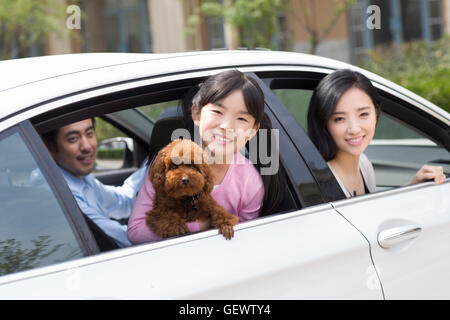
(323, 103)
(216, 88)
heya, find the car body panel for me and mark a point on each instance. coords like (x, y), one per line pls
(414, 268)
(148, 66)
(323, 251)
(282, 257)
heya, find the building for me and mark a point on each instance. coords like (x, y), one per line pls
(162, 26)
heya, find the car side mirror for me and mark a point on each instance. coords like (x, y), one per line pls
(115, 153)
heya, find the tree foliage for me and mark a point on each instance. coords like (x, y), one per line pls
(261, 23)
(14, 259)
(258, 21)
(419, 66)
(307, 16)
(27, 22)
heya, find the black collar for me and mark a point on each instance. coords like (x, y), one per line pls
(190, 200)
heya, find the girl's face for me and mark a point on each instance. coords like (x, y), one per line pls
(352, 124)
(225, 126)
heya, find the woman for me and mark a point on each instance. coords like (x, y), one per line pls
(342, 116)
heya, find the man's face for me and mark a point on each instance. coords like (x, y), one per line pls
(77, 148)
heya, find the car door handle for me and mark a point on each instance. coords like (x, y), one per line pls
(392, 236)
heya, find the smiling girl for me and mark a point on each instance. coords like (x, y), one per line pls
(228, 111)
(342, 117)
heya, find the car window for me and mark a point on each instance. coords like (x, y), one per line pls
(33, 229)
(297, 102)
(389, 128)
(124, 138)
(116, 148)
(112, 146)
(167, 118)
(153, 111)
(397, 150)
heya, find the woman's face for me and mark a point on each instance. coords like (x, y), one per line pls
(352, 124)
(225, 126)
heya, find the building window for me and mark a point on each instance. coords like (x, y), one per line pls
(411, 11)
(215, 31)
(16, 49)
(127, 26)
(435, 19)
(216, 35)
(357, 28)
(401, 21)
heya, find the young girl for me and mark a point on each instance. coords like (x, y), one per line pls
(342, 116)
(228, 111)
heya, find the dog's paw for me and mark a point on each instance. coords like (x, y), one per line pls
(233, 219)
(175, 230)
(227, 230)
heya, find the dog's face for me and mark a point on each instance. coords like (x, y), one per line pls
(181, 170)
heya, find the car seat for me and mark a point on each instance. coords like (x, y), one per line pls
(168, 121)
(104, 242)
(171, 119)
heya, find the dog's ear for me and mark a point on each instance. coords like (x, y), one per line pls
(158, 171)
(207, 173)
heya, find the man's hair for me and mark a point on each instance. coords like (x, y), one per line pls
(50, 136)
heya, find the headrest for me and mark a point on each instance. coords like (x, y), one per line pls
(169, 120)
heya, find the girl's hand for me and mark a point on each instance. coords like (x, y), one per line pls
(429, 173)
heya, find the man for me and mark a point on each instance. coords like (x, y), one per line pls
(74, 148)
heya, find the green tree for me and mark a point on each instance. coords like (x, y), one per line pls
(258, 21)
(14, 259)
(419, 66)
(307, 17)
(27, 22)
(105, 130)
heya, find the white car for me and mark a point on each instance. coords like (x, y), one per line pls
(392, 244)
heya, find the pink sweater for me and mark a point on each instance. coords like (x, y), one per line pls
(241, 193)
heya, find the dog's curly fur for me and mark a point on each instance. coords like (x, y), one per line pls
(182, 181)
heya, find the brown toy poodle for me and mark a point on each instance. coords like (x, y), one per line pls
(183, 182)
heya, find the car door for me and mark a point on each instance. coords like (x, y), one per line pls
(408, 228)
(38, 225)
(310, 254)
(409, 233)
(309, 251)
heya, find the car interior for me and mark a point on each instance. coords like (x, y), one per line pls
(113, 108)
(406, 137)
(160, 134)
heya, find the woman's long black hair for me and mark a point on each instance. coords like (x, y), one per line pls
(324, 101)
(216, 88)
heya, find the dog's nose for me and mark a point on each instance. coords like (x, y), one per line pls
(185, 180)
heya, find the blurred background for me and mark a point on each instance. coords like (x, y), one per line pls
(406, 41)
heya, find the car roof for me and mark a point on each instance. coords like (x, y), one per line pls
(34, 81)
(28, 70)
